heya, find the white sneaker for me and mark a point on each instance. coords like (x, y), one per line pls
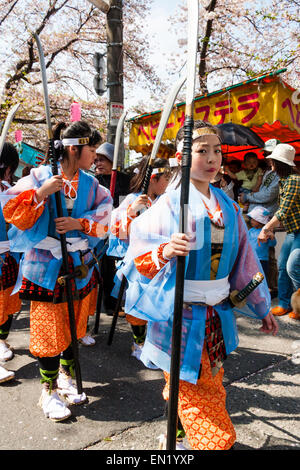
(180, 446)
(6, 353)
(137, 350)
(6, 375)
(162, 443)
(53, 407)
(69, 391)
(87, 340)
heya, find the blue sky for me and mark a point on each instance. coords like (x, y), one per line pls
(164, 37)
(164, 42)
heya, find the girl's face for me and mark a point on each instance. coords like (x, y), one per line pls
(255, 223)
(206, 158)
(159, 186)
(87, 157)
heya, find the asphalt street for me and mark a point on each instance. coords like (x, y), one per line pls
(125, 408)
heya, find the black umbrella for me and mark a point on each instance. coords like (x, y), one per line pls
(238, 135)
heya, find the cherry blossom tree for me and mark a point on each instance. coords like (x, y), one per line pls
(243, 38)
(71, 31)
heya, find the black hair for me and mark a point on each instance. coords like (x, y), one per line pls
(138, 179)
(76, 129)
(197, 125)
(249, 155)
(26, 170)
(235, 162)
(9, 159)
(283, 170)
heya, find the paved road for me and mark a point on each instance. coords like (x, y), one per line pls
(125, 410)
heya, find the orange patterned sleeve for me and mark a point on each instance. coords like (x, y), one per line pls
(22, 210)
(145, 264)
(119, 230)
(94, 229)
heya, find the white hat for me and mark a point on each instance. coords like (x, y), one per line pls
(260, 214)
(107, 150)
(270, 145)
(284, 153)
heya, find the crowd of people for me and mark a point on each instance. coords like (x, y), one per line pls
(234, 211)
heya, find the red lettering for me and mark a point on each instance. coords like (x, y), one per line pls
(143, 131)
(254, 106)
(152, 127)
(181, 118)
(287, 103)
(170, 125)
(205, 110)
(223, 112)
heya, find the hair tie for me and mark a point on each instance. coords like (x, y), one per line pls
(58, 144)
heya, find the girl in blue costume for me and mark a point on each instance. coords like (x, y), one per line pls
(219, 259)
(130, 208)
(86, 215)
(9, 304)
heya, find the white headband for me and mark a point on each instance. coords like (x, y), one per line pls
(76, 141)
(201, 131)
(156, 171)
(173, 162)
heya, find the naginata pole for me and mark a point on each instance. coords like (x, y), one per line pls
(7, 123)
(65, 263)
(193, 15)
(170, 100)
(112, 188)
(161, 129)
(118, 137)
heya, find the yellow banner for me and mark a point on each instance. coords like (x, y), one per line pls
(253, 104)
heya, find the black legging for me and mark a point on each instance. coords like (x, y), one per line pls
(5, 328)
(50, 365)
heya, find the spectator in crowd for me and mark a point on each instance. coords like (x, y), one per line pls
(259, 216)
(234, 166)
(288, 214)
(250, 175)
(224, 182)
(103, 164)
(267, 194)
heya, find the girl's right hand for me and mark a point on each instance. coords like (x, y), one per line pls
(139, 203)
(51, 186)
(179, 245)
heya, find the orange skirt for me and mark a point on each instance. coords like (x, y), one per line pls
(50, 327)
(135, 321)
(202, 410)
(9, 304)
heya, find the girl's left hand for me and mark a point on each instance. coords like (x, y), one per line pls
(65, 224)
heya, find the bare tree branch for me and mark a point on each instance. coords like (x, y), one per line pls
(8, 12)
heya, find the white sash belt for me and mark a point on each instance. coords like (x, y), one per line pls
(53, 245)
(4, 246)
(207, 292)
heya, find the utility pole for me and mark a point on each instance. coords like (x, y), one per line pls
(114, 30)
(115, 88)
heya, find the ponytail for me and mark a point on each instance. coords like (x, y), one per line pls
(136, 182)
(9, 158)
(76, 129)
